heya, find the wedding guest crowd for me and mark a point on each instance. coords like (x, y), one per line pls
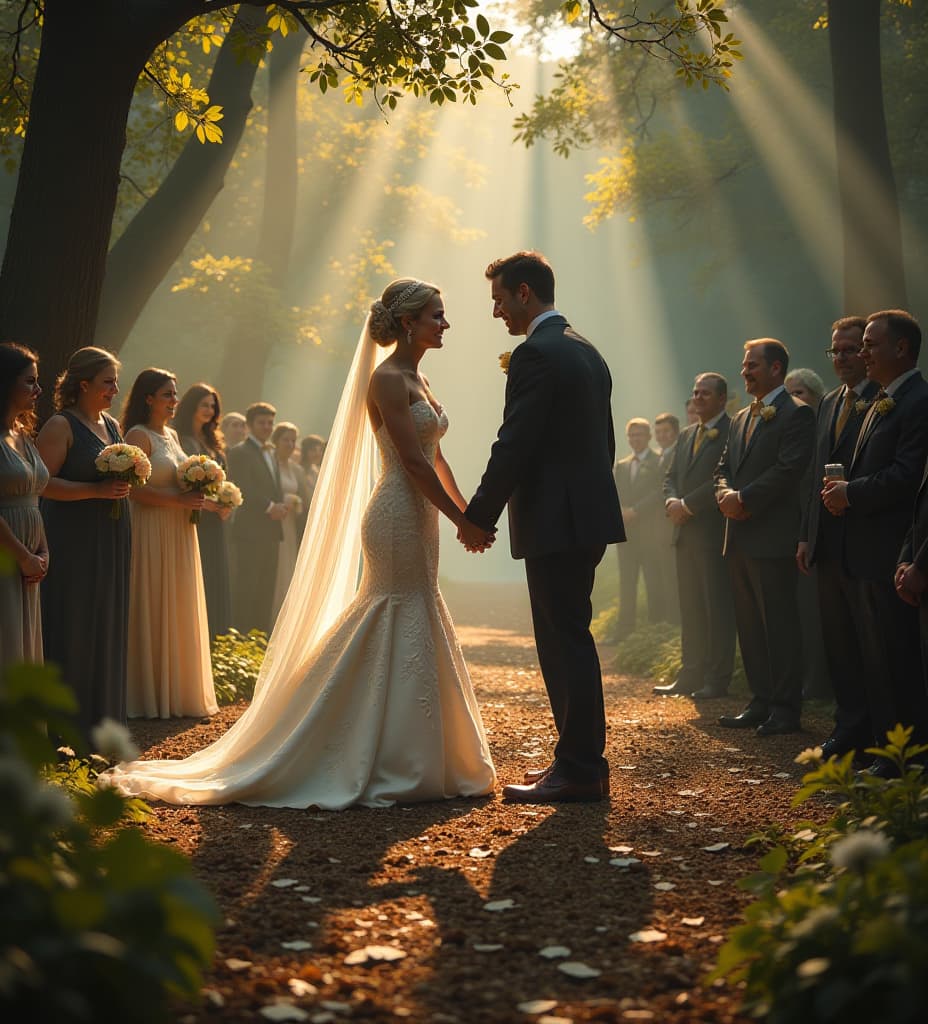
(117, 584)
(801, 525)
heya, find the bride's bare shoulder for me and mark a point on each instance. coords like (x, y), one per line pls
(386, 382)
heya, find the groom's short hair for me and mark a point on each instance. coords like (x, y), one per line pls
(526, 267)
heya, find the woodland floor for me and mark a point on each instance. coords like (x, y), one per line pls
(419, 878)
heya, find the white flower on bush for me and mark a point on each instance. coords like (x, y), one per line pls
(821, 917)
(811, 755)
(53, 805)
(814, 967)
(857, 851)
(113, 741)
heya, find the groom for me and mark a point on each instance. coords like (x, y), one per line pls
(552, 462)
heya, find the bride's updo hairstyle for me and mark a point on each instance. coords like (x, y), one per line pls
(404, 297)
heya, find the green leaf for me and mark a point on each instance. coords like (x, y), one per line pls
(483, 26)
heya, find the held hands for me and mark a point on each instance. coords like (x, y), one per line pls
(730, 505)
(191, 499)
(677, 512)
(33, 566)
(910, 583)
(834, 496)
(113, 489)
(223, 511)
(278, 511)
(474, 537)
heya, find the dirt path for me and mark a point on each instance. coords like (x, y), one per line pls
(301, 891)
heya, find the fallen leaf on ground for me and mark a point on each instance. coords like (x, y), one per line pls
(234, 964)
(537, 1006)
(664, 886)
(374, 955)
(285, 883)
(496, 905)
(693, 922)
(576, 969)
(716, 847)
(648, 935)
(554, 952)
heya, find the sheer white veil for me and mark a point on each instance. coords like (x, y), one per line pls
(327, 567)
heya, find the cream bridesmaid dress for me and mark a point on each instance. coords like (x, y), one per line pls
(169, 674)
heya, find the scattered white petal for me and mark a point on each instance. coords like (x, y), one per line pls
(624, 862)
(626, 767)
(782, 775)
(285, 883)
(648, 935)
(554, 952)
(621, 849)
(301, 988)
(715, 881)
(650, 853)
(664, 886)
(736, 770)
(282, 1012)
(752, 782)
(479, 852)
(591, 860)
(693, 922)
(235, 964)
(690, 792)
(805, 835)
(496, 905)
(716, 847)
(374, 954)
(488, 947)
(311, 899)
(297, 945)
(537, 1006)
(247, 824)
(213, 997)
(576, 969)
(301, 888)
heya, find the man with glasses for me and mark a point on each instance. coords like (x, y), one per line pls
(821, 536)
(876, 502)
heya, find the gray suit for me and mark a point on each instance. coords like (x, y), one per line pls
(761, 550)
(707, 622)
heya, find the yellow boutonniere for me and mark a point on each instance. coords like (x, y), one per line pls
(504, 361)
(767, 413)
(885, 406)
(861, 405)
(712, 433)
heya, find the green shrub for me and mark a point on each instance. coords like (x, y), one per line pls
(236, 662)
(839, 928)
(98, 924)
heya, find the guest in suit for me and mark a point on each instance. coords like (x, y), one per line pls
(552, 465)
(707, 619)
(638, 480)
(758, 489)
(666, 434)
(808, 387)
(877, 501)
(256, 526)
(820, 553)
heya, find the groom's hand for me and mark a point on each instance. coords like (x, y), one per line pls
(474, 537)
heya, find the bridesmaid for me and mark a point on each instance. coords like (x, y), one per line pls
(85, 599)
(169, 671)
(296, 498)
(23, 477)
(197, 424)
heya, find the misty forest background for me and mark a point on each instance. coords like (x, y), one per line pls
(680, 222)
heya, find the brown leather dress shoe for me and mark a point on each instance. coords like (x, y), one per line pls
(555, 789)
(533, 775)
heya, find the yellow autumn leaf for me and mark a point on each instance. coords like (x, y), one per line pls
(181, 120)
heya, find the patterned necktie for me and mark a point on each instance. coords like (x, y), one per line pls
(756, 407)
(850, 397)
(700, 437)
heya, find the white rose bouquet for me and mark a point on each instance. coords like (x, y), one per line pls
(200, 473)
(228, 495)
(124, 462)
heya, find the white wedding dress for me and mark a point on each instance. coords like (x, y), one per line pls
(380, 709)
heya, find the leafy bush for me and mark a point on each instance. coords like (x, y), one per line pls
(98, 923)
(839, 929)
(236, 662)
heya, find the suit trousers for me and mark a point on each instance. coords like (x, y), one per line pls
(255, 561)
(838, 599)
(707, 618)
(893, 681)
(769, 630)
(638, 557)
(560, 586)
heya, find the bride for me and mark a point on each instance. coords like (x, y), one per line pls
(363, 697)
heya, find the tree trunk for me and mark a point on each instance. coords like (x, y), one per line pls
(242, 373)
(157, 234)
(874, 275)
(53, 267)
